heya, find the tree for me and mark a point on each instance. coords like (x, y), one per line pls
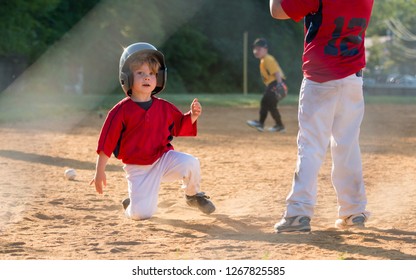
(393, 19)
(202, 39)
(28, 28)
(217, 29)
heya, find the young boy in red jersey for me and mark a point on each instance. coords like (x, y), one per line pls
(331, 107)
(276, 89)
(139, 130)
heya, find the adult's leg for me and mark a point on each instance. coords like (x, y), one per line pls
(347, 177)
(317, 105)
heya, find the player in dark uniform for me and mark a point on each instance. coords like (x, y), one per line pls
(331, 107)
(273, 78)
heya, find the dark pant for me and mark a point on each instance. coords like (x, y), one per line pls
(269, 104)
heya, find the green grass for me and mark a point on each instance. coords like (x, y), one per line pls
(390, 99)
(206, 99)
(39, 106)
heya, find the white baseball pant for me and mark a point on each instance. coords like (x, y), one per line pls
(329, 113)
(144, 181)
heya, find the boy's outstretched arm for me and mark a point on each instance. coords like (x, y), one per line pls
(100, 178)
(276, 10)
(196, 110)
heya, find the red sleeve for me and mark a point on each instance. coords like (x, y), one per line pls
(186, 127)
(183, 125)
(111, 130)
(298, 9)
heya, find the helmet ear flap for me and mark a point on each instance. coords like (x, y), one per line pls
(125, 82)
(161, 79)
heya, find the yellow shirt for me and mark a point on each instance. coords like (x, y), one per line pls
(268, 67)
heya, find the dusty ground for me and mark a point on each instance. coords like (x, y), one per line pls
(248, 175)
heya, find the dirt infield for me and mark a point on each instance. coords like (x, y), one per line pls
(247, 173)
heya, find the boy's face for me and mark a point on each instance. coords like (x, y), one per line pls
(144, 80)
(259, 52)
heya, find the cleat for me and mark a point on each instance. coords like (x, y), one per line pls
(293, 224)
(277, 128)
(126, 203)
(353, 221)
(200, 201)
(256, 124)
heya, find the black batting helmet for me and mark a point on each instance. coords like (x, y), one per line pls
(260, 42)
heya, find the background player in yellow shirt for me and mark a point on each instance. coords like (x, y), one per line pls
(276, 89)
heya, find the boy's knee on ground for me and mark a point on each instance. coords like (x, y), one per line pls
(140, 212)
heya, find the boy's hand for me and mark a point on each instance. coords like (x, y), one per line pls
(196, 110)
(100, 181)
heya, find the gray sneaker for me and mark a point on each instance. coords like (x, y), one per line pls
(277, 128)
(293, 224)
(202, 202)
(256, 124)
(357, 221)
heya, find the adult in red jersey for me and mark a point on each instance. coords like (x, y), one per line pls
(139, 129)
(331, 107)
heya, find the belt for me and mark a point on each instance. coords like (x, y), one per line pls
(359, 73)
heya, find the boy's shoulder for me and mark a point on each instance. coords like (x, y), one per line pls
(269, 57)
(122, 101)
(269, 61)
(162, 101)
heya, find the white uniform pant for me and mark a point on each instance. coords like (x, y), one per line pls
(329, 113)
(144, 181)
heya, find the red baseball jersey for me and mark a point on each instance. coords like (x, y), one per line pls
(334, 36)
(138, 136)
